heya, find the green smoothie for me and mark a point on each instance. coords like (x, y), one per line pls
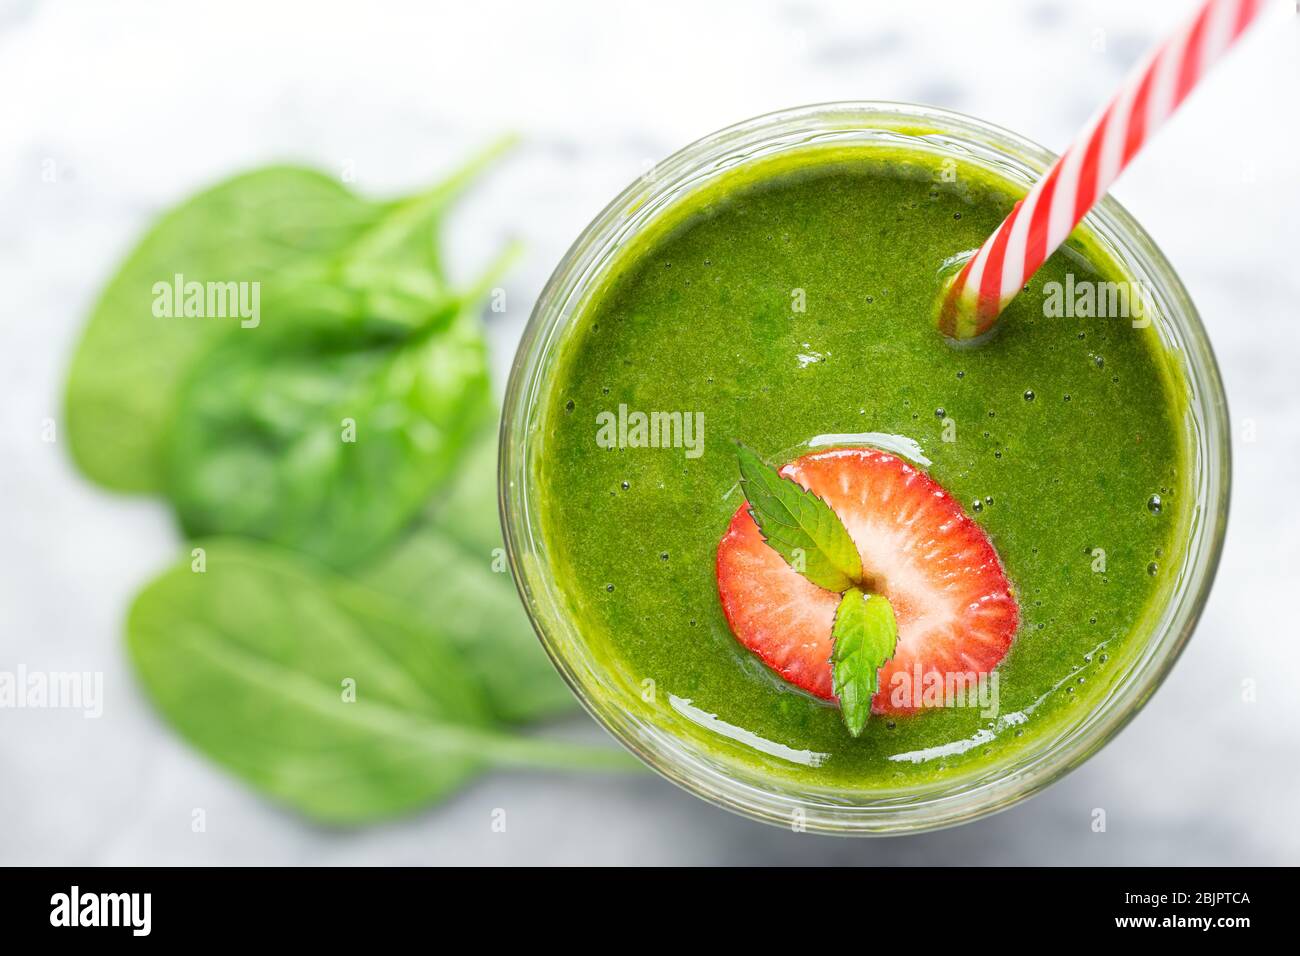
(788, 306)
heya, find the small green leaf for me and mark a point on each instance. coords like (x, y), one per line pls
(799, 526)
(865, 635)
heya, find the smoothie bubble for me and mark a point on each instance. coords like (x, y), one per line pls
(1154, 504)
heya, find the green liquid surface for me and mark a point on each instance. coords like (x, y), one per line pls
(792, 300)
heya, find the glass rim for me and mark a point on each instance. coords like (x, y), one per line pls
(1009, 156)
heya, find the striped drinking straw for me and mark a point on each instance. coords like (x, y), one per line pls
(1041, 221)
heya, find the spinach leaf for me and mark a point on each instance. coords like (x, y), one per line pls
(387, 284)
(450, 572)
(468, 511)
(328, 450)
(329, 432)
(128, 365)
(319, 693)
(318, 252)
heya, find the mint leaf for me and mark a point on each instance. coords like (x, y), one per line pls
(865, 635)
(799, 526)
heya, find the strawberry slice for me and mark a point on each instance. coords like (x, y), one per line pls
(952, 599)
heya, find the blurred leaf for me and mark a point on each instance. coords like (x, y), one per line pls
(255, 658)
(450, 572)
(333, 451)
(397, 265)
(468, 511)
(319, 255)
(329, 432)
(129, 364)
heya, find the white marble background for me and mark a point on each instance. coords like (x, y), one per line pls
(136, 104)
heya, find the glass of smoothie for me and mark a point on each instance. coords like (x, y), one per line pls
(1043, 508)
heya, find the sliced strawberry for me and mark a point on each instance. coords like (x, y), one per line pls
(952, 599)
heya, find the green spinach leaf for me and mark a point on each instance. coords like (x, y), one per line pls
(467, 510)
(129, 363)
(316, 691)
(450, 572)
(330, 451)
(312, 250)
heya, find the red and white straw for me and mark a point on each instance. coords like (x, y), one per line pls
(1042, 220)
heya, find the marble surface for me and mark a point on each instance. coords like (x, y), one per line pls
(132, 105)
